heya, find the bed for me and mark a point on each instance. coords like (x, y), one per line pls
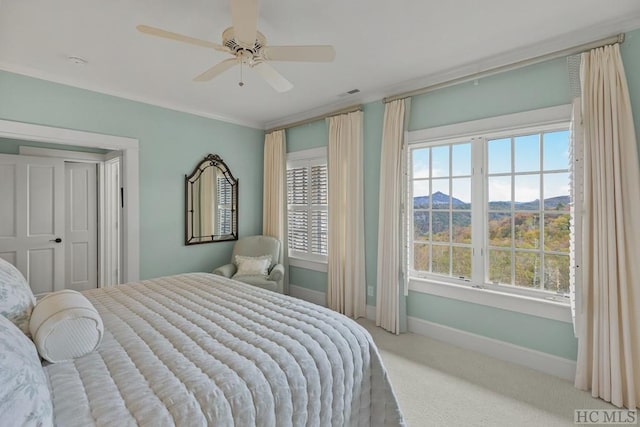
(199, 349)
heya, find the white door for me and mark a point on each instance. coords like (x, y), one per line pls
(32, 219)
(81, 242)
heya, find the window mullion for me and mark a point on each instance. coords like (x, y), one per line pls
(478, 215)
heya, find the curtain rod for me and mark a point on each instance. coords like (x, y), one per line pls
(496, 70)
(345, 110)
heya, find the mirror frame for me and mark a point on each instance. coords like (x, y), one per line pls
(211, 160)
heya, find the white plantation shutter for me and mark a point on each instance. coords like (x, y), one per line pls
(223, 189)
(298, 236)
(307, 198)
(297, 182)
(318, 211)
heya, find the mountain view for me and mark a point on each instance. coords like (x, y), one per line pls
(441, 201)
(531, 269)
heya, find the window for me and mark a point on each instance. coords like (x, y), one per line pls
(307, 201)
(493, 210)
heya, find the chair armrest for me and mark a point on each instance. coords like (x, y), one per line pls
(226, 270)
(277, 273)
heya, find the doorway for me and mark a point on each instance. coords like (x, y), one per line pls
(130, 244)
(62, 216)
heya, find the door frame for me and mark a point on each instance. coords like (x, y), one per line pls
(130, 177)
(104, 237)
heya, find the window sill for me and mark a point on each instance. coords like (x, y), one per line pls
(519, 303)
(309, 265)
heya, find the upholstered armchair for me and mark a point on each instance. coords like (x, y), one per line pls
(255, 260)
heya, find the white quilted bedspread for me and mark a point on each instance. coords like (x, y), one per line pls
(198, 349)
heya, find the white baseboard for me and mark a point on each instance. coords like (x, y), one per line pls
(537, 360)
(310, 295)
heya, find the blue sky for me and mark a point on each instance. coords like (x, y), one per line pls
(527, 156)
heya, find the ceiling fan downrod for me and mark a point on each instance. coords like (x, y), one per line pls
(241, 83)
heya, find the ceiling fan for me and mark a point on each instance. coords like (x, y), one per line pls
(249, 47)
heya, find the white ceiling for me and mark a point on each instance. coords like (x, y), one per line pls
(382, 47)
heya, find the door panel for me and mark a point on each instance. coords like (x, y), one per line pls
(82, 226)
(32, 217)
(41, 269)
(8, 224)
(40, 183)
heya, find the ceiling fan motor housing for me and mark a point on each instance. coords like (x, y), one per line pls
(244, 53)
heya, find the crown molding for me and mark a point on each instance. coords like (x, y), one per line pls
(50, 77)
(372, 95)
(544, 47)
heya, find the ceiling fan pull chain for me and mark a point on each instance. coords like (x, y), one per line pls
(241, 82)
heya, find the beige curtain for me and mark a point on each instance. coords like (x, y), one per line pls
(609, 316)
(576, 191)
(390, 285)
(274, 206)
(346, 265)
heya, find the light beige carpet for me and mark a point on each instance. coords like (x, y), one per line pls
(438, 384)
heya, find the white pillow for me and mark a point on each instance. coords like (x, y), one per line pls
(25, 399)
(16, 298)
(252, 266)
(65, 325)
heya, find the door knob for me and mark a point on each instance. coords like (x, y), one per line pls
(57, 240)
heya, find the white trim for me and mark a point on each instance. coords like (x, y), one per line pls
(308, 154)
(72, 156)
(130, 178)
(29, 72)
(534, 359)
(32, 132)
(506, 301)
(494, 125)
(309, 295)
(309, 265)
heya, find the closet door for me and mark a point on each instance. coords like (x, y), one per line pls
(81, 245)
(32, 224)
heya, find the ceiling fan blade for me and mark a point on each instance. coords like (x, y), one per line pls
(158, 32)
(244, 15)
(216, 70)
(300, 53)
(274, 78)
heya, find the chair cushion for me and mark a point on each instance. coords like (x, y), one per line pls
(252, 265)
(257, 246)
(260, 281)
(25, 399)
(16, 298)
(65, 326)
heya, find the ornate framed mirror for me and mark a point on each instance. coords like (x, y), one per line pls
(211, 194)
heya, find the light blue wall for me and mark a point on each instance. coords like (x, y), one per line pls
(537, 86)
(171, 144)
(631, 56)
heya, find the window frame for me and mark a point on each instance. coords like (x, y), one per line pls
(307, 158)
(478, 289)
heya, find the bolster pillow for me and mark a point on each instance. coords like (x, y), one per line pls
(65, 325)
